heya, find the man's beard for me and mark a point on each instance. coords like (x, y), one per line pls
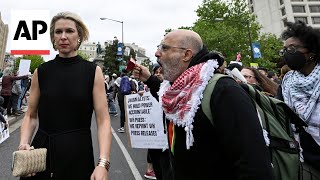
(172, 69)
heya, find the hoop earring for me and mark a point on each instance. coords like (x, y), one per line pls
(54, 45)
(79, 43)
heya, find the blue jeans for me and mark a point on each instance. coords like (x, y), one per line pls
(112, 107)
(20, 98)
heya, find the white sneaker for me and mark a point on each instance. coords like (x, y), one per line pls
(150, 175)
(121, 130)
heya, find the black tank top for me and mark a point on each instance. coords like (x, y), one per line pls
(65, 110)
(66, 101)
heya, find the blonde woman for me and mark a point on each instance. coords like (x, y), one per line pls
(64, 92)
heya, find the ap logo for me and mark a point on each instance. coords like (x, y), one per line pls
(30, 32)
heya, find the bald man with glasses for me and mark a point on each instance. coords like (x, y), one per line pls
(232, 148)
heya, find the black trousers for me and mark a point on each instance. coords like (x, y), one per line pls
(311, 150)
(122, 112)
(161, 164)
(6, 101)
(13, 103)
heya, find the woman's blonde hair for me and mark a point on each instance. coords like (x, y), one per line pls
(81, 27)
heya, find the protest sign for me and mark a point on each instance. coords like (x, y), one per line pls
(144, 118)
(24, 67)
(4, 131)
(254, 65)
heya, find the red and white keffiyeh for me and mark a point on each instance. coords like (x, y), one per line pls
(180, 101)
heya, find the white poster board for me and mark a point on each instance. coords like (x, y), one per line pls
(24, 67)
(4, 132)
(144, 118)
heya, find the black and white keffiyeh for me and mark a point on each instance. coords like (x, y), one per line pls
(302, 94)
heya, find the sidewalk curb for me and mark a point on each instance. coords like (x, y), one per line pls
(13, 120)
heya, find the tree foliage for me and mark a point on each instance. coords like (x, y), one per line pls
(83, 55)
(182, 27)
(269, 46)
(111, 62)
(223, 26)
(36, 60)
(167, 31)
(147, 63)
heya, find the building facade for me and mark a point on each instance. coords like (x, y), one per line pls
(272, 14)
(140, 52)
(4, 29)
(89, 49)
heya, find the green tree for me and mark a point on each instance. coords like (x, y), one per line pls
(269, 47)
(111, 63)
(167, 31)
(147, 63)
(182, 27)
(36, 60)
(83, 55)
(223, 26)
(229, 34)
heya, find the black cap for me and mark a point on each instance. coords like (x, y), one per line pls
(234, 65)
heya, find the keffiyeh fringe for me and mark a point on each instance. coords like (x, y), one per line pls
(206, 73)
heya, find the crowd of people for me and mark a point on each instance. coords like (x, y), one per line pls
(233, 148)
(13, 91)
(13, 94)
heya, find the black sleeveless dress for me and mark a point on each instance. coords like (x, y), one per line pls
(65, 110)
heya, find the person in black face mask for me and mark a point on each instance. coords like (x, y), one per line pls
(301, 50)
(301, 85)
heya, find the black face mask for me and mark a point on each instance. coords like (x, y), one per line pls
(295, 61)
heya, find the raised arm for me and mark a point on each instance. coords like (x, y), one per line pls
(13, 78)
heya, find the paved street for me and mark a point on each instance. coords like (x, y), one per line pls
(126, 163)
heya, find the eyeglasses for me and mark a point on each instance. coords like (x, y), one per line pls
(291, 49)
(248, 76)
(164, 47)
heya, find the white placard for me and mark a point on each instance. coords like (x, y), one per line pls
(4, 133)
(145, 122)
(24, 67)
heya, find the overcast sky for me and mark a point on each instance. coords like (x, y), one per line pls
(144, 20)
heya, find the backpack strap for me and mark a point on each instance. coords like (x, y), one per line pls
(205, 102)
(264, 105)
